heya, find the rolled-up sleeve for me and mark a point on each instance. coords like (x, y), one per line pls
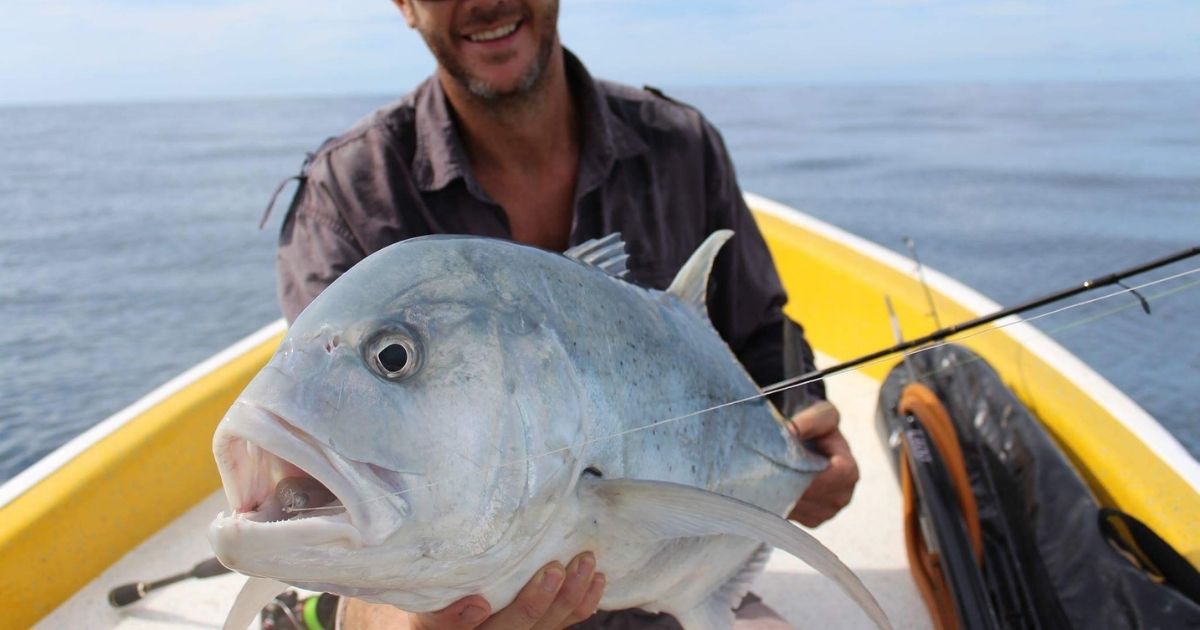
(315, 247)
(747, 295)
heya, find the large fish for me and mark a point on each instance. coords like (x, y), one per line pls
(453, 413)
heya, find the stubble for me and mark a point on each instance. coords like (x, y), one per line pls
(530, 79)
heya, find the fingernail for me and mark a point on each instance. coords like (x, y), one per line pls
(551, 578)
(473, 614)
(587, 562)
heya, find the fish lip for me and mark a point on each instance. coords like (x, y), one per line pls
(271, 432)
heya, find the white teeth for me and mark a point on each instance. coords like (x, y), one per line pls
(496, 33)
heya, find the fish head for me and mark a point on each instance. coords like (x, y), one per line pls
(415, 426)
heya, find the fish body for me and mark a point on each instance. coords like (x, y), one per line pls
(473, 409)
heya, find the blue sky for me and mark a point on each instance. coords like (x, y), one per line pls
(106, 50)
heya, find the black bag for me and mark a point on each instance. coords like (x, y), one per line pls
(1053, 558)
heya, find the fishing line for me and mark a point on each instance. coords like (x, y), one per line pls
(1124, 307)
(1075, 324)
(999, 326)
(996, 327)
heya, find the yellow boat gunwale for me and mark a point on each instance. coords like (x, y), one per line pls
(1128, 460)
(87, 504)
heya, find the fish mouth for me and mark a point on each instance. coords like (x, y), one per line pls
(280, 478)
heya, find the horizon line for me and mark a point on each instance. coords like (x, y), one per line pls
(797, 84)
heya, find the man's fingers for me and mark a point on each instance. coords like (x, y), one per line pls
(550, 601)
(532, 603)
(465, 614)
(574, 589)
(833, 445)
(816, 420)
(812, 515)
(830, 491)
(843, 469)
(590, 602)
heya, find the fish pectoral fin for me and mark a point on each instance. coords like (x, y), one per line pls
(716, 611)
(659, 509)
(257, 593)
(731, 593)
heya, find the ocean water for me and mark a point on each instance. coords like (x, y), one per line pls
(129, 248)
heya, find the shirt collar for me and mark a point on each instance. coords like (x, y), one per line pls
(440, 159)
(606, 137)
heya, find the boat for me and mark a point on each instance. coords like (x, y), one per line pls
(130, 499)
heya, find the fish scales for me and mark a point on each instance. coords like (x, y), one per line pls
(494, 407)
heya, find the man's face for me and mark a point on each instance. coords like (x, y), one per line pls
(494, 48)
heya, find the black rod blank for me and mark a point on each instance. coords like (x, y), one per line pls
(942, 333)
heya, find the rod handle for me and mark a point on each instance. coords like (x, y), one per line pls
(126, 594)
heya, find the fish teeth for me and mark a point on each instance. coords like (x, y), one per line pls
(496, 33)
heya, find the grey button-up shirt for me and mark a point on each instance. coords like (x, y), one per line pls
(650, 168)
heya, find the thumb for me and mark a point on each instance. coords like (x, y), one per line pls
(819, 419)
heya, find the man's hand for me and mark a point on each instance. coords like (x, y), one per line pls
(555, 598)
(831, 490)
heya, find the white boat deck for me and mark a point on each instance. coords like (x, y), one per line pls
(867, 536)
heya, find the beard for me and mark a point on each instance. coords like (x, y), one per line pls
(526, 84)
(529, 79)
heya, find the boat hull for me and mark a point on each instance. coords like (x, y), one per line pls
(85, 506)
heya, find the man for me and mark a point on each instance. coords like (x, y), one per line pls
(513, 139)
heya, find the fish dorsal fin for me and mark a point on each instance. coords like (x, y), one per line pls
(663, 510)
(691, 283)
(607, 254)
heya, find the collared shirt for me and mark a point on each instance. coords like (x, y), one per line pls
(650, 168)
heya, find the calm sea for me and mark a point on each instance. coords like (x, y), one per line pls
(129, 250)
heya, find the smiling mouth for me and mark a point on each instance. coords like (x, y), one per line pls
(494, 34)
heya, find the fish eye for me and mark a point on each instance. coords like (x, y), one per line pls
(393, 355)
(393, 358)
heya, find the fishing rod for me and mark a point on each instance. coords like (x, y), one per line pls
(127, 594)
(942, 333)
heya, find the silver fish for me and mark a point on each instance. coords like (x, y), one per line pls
(453, 413)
